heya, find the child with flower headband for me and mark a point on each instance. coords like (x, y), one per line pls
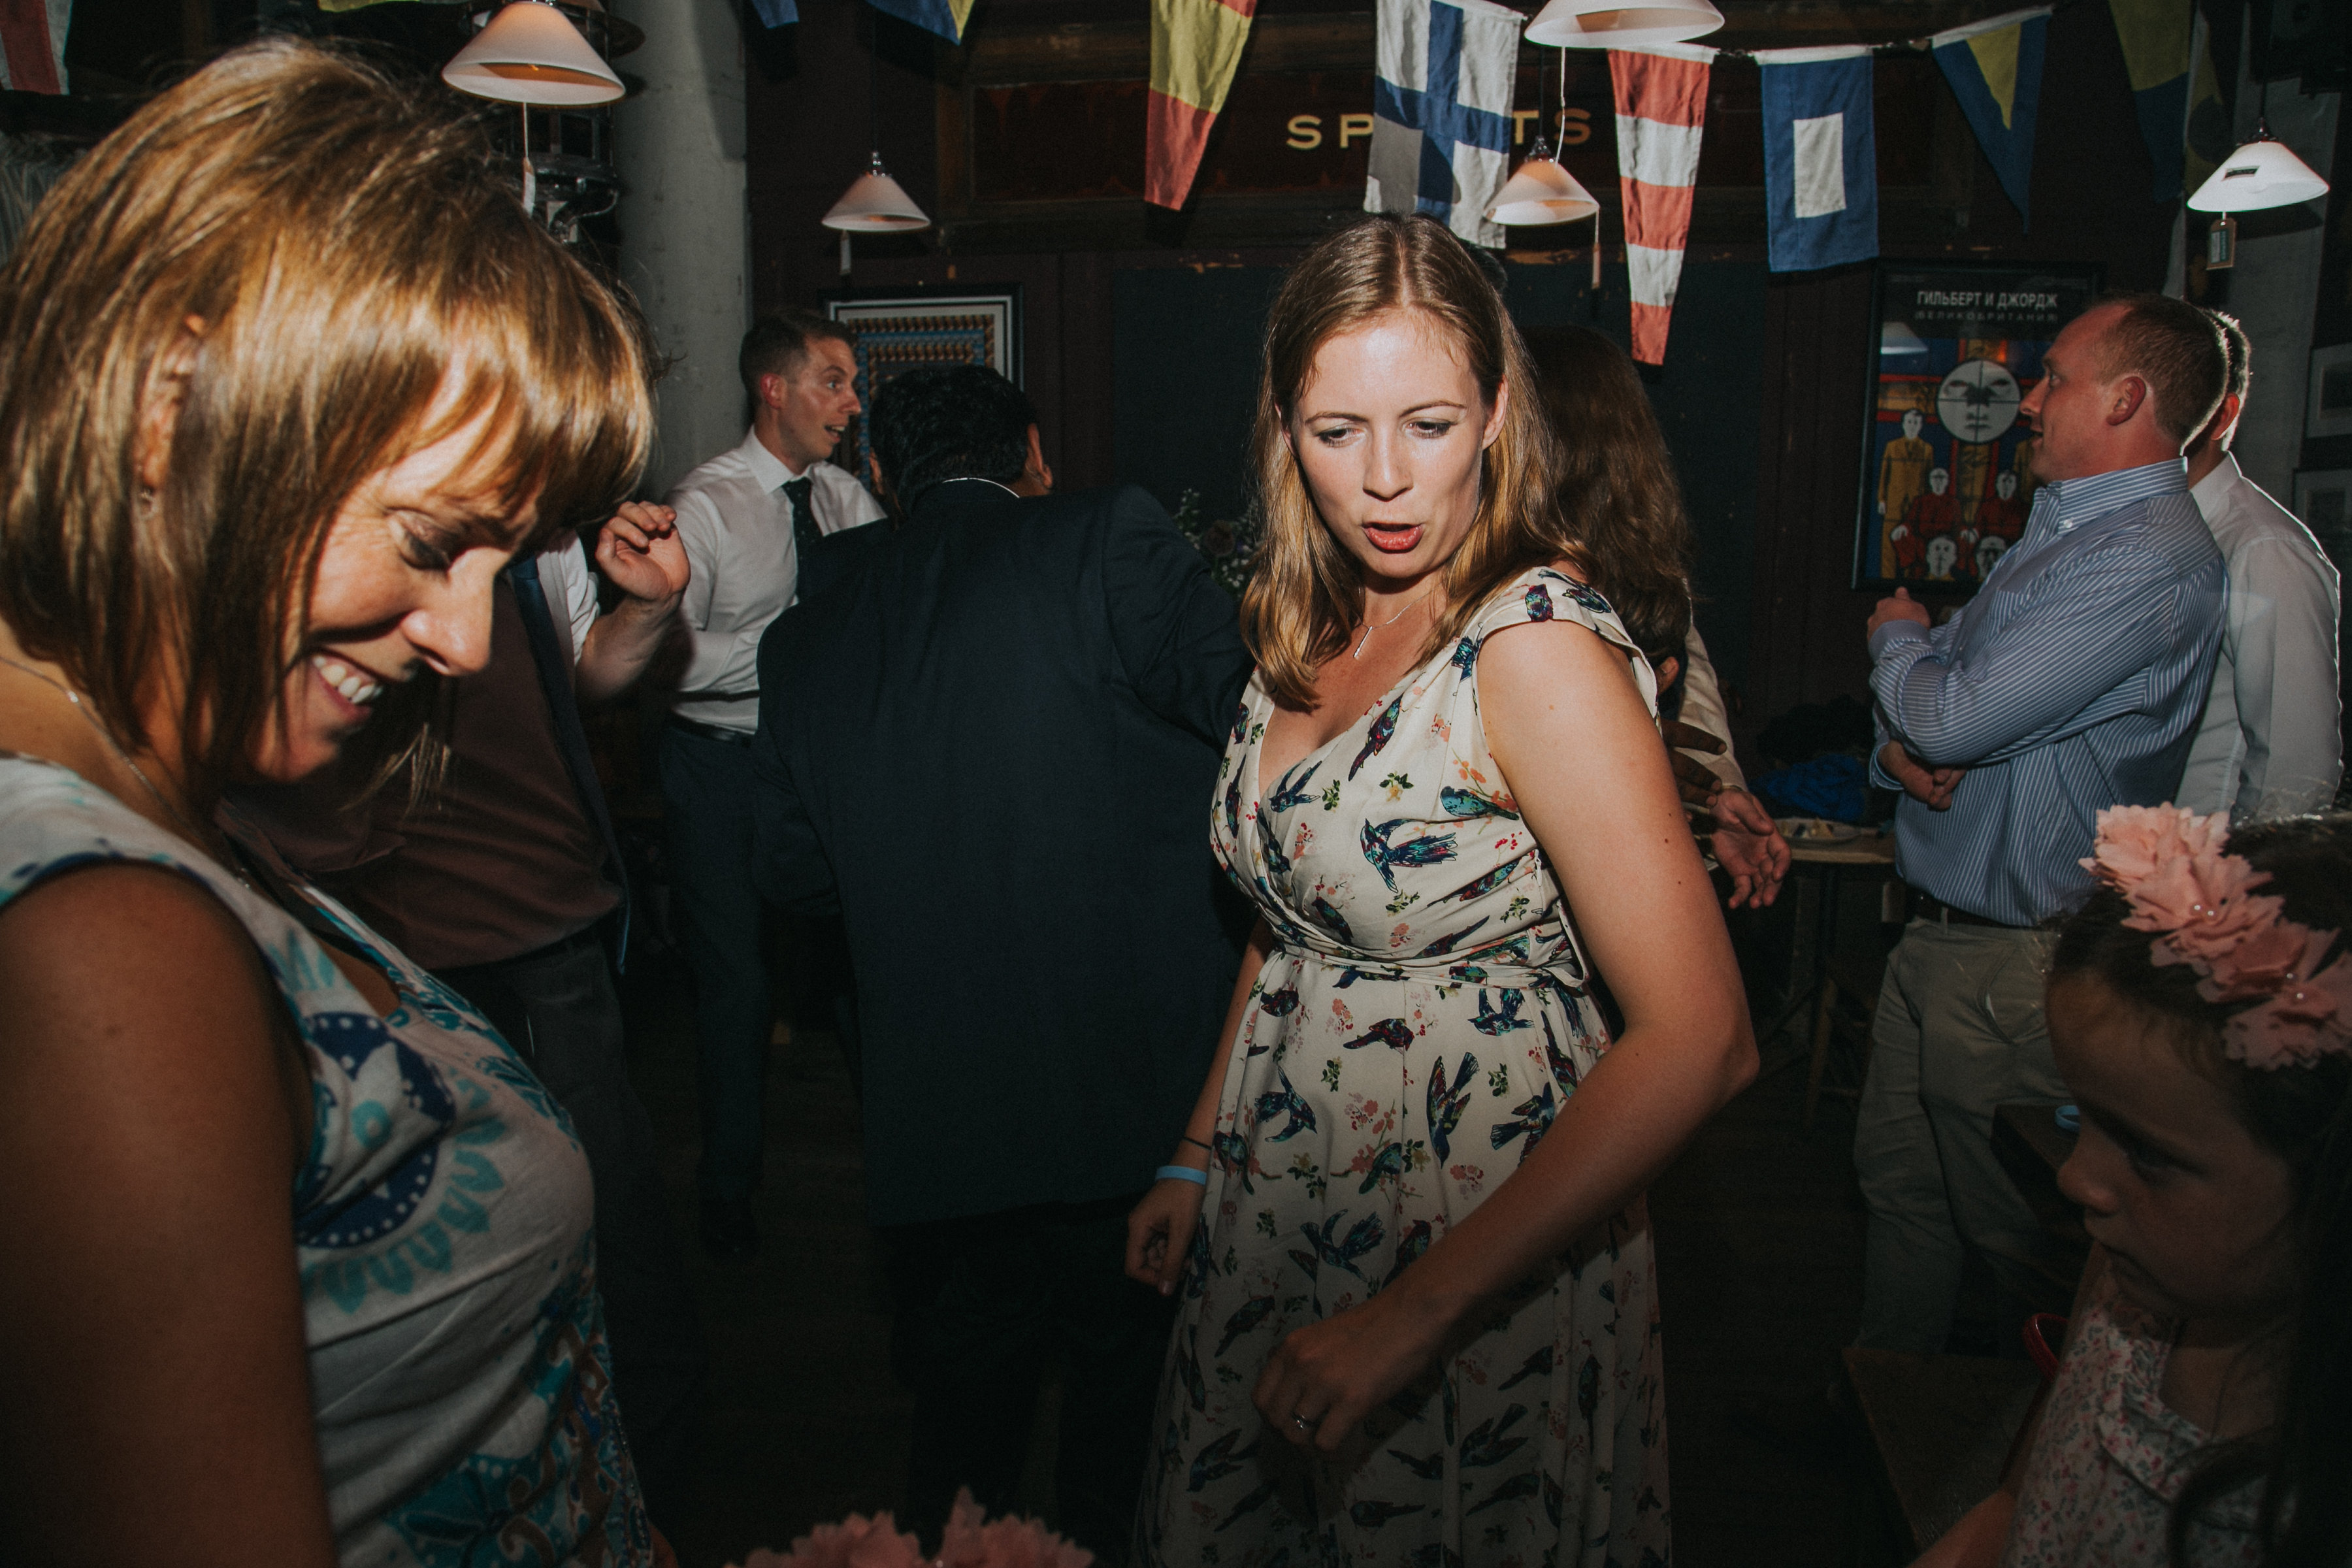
(2200, 1006)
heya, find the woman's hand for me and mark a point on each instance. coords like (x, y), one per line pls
(640, 554)
(1327, 1377)
(1747, 845)
(1159, 1233)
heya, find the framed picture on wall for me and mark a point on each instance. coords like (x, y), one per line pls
(1947, 465)
(2323, 500)
(921, 330)
(2329, 409)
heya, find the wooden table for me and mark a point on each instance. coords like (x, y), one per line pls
(1828, 859)
(1941, 1426)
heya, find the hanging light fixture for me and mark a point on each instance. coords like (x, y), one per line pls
(2261, 174)
(875, 203)
(532, 54)
(1543, 191)
(1897, 341)
(1613, 25)
(533, 57)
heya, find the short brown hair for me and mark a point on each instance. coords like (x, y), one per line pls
(2240, 350)
(323, 247)
(2174, 347)
(1305, 593)
(778, 340)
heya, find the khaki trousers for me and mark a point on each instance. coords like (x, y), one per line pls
(1959, 1030)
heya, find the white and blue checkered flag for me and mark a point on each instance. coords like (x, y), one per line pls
(1442, 111)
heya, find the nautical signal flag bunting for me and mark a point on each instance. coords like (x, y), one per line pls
(1196, 47)
(1660, 116)
(1821, 157)
(1442, 111)
(1994, 67)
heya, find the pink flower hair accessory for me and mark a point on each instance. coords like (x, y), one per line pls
(2171, 865)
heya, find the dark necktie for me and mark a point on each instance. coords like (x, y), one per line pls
(805, 532)
(564, 706)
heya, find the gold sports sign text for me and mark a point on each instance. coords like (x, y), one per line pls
(1307, 130)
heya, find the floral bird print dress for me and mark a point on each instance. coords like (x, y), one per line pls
(1426, 1016)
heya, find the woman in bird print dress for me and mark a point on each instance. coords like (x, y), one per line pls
(1418, 1318)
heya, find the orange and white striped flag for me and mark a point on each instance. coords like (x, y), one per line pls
(1661, 115)
(1196, 47)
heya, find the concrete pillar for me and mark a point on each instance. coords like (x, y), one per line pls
(2274, 287)
(686, 244)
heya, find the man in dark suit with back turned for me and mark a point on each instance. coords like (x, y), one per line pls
(991, 743)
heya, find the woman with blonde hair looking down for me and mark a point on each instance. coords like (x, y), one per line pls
(1419, 1321)
(299, 1257)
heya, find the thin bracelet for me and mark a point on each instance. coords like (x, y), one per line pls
(1187, 1138)
(1180, 1173)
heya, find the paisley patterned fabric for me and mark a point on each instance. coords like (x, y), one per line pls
(459, 1374)
(1424, 1019)
(2110, 1456)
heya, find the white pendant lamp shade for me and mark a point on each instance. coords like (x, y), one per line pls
(1613, 25)
(876, 202)
(531, 53)
(2262, 174)
(1540, 193)
(1897, 341)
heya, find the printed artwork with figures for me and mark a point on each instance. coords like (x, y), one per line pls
(895, 336)
(1947, 478)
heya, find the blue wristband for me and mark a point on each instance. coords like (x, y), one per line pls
(1182, 1174)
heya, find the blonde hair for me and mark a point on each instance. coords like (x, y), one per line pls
(318, 246)
(1305, 593)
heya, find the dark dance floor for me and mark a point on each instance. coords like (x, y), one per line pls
(1759, 1234)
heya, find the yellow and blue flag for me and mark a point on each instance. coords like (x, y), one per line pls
(1994, 67)
(2156, 36)
(945, 18)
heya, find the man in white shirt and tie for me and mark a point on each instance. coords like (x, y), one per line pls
(2271, 742)
(747, 518)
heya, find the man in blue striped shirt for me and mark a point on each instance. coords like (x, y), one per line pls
(2072, 681)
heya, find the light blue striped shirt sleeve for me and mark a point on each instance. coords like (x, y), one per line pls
(2071, 682)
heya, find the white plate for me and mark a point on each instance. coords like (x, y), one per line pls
(1815, 830)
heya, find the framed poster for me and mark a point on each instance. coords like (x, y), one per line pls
(2329, 409)
(1947, 465)
(2323, 500)
(920, 331)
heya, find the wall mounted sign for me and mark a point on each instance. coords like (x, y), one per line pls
(924, 331)
(1946, 477)
(1041, 137)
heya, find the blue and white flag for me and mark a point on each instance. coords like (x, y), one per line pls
(1821, 157)
(1442, 111)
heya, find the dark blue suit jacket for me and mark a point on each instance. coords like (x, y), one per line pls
(991, 744)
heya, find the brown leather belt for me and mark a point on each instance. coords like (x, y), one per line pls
(1928, 907)
(724, 736)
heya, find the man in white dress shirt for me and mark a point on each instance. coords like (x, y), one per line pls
(2271, 742)
(746, 518)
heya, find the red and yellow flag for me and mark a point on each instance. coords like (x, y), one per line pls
(1196, 47)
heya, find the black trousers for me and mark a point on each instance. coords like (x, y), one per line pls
(985, 1305)
(557, 1008)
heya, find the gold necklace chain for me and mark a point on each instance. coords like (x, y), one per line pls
(174, 812)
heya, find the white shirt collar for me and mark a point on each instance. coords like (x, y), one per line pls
(766, 466)
(2208, 491)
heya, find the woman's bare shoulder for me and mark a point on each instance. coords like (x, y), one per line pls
(132, 957)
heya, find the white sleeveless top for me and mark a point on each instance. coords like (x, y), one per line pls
(459, 1374)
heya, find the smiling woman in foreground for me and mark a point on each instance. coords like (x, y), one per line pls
(299, 1264)
(1420, 1323)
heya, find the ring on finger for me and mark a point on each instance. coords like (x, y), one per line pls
(1301, 1422)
